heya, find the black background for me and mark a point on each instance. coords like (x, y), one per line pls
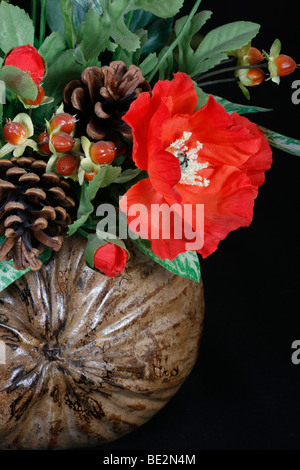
(243, 393)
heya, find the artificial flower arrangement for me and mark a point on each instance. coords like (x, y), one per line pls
(121, 117)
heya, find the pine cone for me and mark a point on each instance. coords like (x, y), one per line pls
(34, 211)
(103, 96)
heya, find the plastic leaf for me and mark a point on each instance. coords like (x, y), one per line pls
(185, 264)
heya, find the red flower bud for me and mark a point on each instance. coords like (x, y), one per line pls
(110, 259)
(285, 65)
(27, 59)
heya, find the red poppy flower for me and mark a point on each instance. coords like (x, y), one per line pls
(110, 259)
(193, 157)
(27, 59)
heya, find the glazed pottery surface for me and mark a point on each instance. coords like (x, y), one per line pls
(89, 358)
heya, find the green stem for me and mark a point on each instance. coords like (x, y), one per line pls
(10, 108)
(83, 232)
(228, 69)
(213, 82)
(175, 42)
(128, 19)
(33, 12)
(43, 21)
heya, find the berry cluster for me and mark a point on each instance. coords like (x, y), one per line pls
(285, 65)
(64, 151)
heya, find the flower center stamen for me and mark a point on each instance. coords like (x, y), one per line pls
(188, 159)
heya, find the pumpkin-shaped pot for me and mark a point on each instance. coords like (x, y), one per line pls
(89, 358)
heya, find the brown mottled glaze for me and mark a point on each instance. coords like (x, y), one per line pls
(88, 358)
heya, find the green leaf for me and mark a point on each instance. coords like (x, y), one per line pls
(159, 33)
(185, 264)
(61, 71)
(18, 82)
(54, 16)
(67, 13)
(16, 27)
(163, 9)
(186, 54)
(202, 96)
(110, 26)
(52, 47)
(127, 175)
(275, 49)
(148, 64)
(226, 38)
(282, 142)
(87, 4)
(107, 175)
(8, 274)
(231, 107)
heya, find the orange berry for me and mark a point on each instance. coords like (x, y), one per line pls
(256, 76)
(39, 98)
(103, 152)
(285, 65)
(62, 142)
(14, 133)
(43, 142)
(254, 56)
(65, 120)
(67, 164)
(89, 176)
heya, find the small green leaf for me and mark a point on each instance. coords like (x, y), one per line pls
(148, 64)
(87, 4)
(127, 175)
(185, 264)
(67, 12)
(275, 49)
(18, 82)
(231, 107)
(16, 27)
(282, 142)
(9, 275)
(163, 9)
(226, 38)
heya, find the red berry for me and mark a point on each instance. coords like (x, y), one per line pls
(285, 65)
(257, 76)
(62, 142)
(254, 56)
(89, 176)
(39, 98)
(14, 133)
(103, 152)
(67, 164)
(43, 142)
(65, 121)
